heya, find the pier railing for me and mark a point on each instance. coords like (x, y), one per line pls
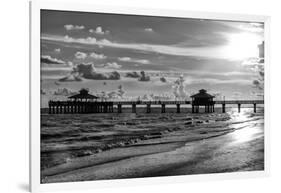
(64, 107)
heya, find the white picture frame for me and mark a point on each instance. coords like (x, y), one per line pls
(35, 7)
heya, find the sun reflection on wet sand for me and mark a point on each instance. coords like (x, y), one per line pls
(246, 131)
(246, 134)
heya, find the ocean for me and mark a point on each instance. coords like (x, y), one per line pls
(72, 144)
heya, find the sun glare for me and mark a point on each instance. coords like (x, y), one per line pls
(243, 46)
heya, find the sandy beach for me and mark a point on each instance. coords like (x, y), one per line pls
(146, 146)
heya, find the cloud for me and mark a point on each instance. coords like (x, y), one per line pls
(80, 55)
(57, 50)
(64, 92)
(71, 77)
(257, 94)
(179, 88)
(143, 77)
(97, 56)
(99, 31)
(88, 71)
(132, 75)
(236, 95)
(258, 84)
(112, 65)
(43, 91)
(128, 59)
(207, 52)
(148, 29)
(113, 95)
(252, 27)
(49, 60)
(69, 27)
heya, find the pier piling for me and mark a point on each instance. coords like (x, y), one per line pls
(223, 108)
(134, 108)
(119, 108)
(163, 108)
(148, 108)
(178, 108)
(72, 107)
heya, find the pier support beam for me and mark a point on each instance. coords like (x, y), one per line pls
(255, 107)
(119, 108)
(192, 108)
(178, 108)
(105, 109)
(239, 107)
(148, 108)
(196, 109)
(163, 108)
(223, 108)
(134, 108)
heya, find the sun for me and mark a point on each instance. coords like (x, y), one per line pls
(242, 46)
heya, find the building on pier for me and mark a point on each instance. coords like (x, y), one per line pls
(203, 99)
(83, 96)
(80, 103)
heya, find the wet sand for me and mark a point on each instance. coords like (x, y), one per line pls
(212, 143)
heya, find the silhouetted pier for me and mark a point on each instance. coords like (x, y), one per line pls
(73, 107)
(87, 103)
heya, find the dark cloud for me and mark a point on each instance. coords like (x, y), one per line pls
(132, 75)
(143, 77)
(258, 84)
(88, 71)
(42, 92)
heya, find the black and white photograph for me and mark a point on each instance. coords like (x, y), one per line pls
(135, 96)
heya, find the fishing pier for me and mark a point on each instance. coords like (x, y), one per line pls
(86, 103)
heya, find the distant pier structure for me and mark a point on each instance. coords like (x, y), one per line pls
(203, 99)
(83, 102)
(80, 103)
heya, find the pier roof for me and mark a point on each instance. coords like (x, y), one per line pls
(202, 94)
(83, 94)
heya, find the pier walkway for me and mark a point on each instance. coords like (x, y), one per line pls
(72, 107)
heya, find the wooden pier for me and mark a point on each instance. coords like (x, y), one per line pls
(87, 103)
(73, 107)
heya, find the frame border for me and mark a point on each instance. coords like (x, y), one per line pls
(34, 92)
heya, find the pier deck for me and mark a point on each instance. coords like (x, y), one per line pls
(73, 107)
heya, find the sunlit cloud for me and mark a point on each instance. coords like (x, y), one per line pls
(99, 31)
(128, 59)
(112, 65)
(208, 52)
(148, 29)
(97, 56)
(80, 55)
(57, 50)
(242, 46)
(69, 27)
(50, 60)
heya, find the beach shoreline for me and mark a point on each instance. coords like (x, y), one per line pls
(195, 144)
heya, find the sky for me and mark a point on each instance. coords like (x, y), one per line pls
(178, 56)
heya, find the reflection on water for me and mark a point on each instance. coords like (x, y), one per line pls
(246, 134)
(66, 137)
(249, 126)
